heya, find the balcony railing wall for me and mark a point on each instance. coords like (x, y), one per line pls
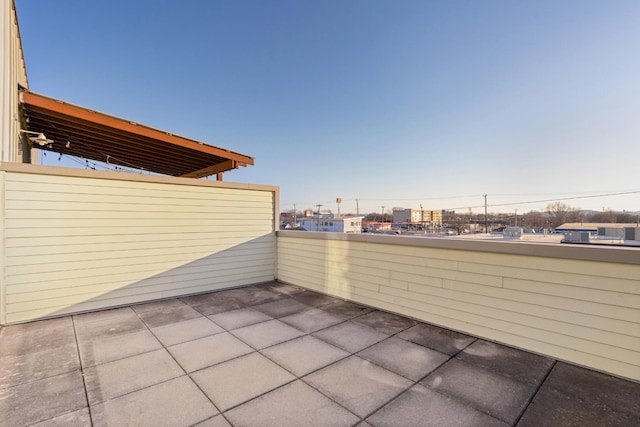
(75, 240)
(576, 303)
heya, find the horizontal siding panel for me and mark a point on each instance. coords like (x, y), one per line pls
(48, 253)
(230, 227)
(572, 279)
(567, 305)
(61, 296)
(564, 353)
(132, 206)
(214, 221)
(160, 263)
(131, 268)
(48, 183)
(485, 317)
(22, 183)
(574, 292)
(582, 311)
(179, 239)
(78, 243)
(140, 194)
(621, 334)
(142, 212)
(113, 301)
(78, 279)
(429, 255)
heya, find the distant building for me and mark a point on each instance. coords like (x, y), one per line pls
(377, 226)
(415, 217)
(603, 230)
(330, 223)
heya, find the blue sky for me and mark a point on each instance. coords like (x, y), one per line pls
(394, 103)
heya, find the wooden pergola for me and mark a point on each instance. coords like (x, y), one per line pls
(81, 132)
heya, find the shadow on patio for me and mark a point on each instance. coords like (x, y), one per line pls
(275, 354)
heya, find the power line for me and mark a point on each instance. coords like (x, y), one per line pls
(521, 202)
(528, 202)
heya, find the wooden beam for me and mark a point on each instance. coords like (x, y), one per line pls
(215, 169)
(81, 113)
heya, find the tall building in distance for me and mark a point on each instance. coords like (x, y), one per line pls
(416, 218)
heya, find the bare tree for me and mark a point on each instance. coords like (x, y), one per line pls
(560, 213)
(534, 219)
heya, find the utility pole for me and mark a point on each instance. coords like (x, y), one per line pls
(422, 219)
(357, 208)
(516, 219)
(338, 201)
(382, 219)
(294, 215)
(486, 221)
(318, 221)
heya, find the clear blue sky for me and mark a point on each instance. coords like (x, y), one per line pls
(394, 103)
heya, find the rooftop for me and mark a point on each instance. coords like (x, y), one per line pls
(275, 354)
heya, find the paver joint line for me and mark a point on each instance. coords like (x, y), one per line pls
(440, 366)
(535, 393)
(84, 380)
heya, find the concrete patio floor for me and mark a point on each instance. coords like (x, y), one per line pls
(278, 355)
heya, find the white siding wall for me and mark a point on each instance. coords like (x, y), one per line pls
(567, 305)
(12, 73)
(76, 243)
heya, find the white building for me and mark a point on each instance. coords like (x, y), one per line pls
(342, 224)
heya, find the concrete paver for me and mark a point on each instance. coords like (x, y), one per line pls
(314, 299)
(100, 328)
(496, 395)
(281, 308)
(517, 364)
(77, 418)
(24, 368)
(410, 360)
(283, 288)
(213, 303)
(604, 391)
(177, 402)
(187, 330)
(168, 315)
(94, 352)
(208, 351)
(113, 379)
(29, 340)
(266, 334)
(311, 320)
(350, 336)
(252, 295)
(551, 408)
(157, 305)
(304, 355)
(239, 318)
(384, 322)
(293, 405)
(358, 385)
(180, 367)
(421, 406)
(239, 380)
(40, 400)
(217, 421)
(437, 338)
(345, 309)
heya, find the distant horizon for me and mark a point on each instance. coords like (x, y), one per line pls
(391, 103)
(461, 212)
(506, 207)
